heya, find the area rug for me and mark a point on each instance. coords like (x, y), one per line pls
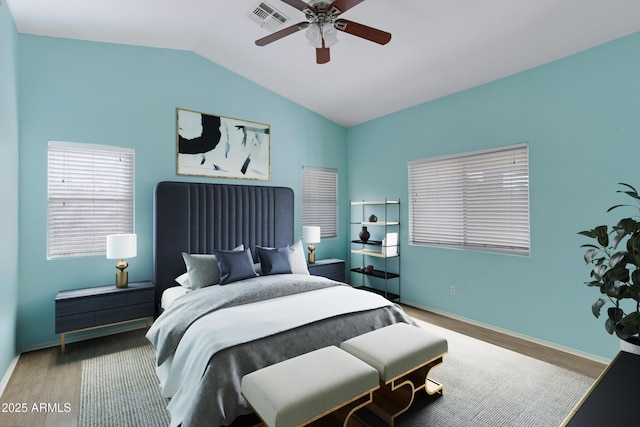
(121, 389)
(489, 386)
(484, 386)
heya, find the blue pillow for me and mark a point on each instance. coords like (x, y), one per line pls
(274, 261)
(234, 265)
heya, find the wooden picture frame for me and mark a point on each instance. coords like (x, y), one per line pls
(222, 147)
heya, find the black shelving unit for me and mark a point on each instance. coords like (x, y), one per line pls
(384, 277)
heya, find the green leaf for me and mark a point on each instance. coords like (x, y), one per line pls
(590, 255)
(633, 244)
(616, 289)
(617, 206)
(600, 233)
(620, 273)
(627, 224)
(595, 308)
(615, 259)
(610, 326)
(635, 277)
(628, 326)
(599, 271)
(588, 233)
(633, 192)
(633, 292)
(603, 235)
(625, 332)
(631, 319)
(590, 246)
(616, 314)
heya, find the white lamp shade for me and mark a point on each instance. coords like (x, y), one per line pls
(314, 35)
(120, 246)
(311, 234)
(329, 34)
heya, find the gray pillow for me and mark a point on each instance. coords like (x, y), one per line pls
(234, 265)
(202, 270)
(274, 261)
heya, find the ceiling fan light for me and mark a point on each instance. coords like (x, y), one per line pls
(330, 34)
(314, 36)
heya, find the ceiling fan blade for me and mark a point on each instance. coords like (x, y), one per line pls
(282, 33)
(363, 31)
(322, 55)
(298, 4)
(341, 6)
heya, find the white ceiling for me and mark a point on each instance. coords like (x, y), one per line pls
(438, 47)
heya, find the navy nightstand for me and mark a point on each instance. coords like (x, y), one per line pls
(90, 308)
(330, 268)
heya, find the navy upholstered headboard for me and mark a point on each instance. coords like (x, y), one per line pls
(198, 218)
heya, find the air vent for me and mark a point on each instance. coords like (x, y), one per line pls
(267, 16)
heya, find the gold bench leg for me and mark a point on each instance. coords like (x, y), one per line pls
(62, 342)
(397, 395)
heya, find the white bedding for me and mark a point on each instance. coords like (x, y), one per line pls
(227, 327)
(171, 294)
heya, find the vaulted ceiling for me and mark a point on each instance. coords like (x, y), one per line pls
(438, 47)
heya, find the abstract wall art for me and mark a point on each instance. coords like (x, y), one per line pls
(218, 146)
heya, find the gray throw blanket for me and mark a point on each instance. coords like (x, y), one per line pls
(167, 331)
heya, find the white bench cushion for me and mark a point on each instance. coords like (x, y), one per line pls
(396, 349)
(293, 391)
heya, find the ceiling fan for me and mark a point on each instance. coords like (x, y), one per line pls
(322, 22)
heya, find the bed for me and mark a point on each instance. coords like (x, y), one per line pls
(207, 336)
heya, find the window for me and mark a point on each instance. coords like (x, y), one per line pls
(320, 199)
(90, 195)
(477, 200)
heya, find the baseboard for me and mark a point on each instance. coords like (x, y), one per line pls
(7, 375)
(96, 333)
(538, 341)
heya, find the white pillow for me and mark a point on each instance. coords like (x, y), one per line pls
(183, 280)
(298, 259)
(257, 268)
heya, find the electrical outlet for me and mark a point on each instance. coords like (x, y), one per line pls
(452, 290)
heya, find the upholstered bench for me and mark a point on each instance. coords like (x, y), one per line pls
(323, 387)
(403, 355)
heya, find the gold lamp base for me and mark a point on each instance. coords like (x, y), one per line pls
(122, 277)
(312, 254)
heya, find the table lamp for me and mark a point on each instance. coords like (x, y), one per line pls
(311, 235)
(120, 246)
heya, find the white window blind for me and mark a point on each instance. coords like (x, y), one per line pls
(477, 200)
(90, 195)
(320, 199)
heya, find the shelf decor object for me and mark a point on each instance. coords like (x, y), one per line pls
(121, 246)
(364, 234)
(311, 235)
(374, 253)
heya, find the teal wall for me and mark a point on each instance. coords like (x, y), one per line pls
(127, 96)
(9, 188)
(581, 118)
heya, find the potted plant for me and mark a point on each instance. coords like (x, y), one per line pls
(615, 257)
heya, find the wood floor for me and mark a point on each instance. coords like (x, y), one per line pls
(45, 385)
(44, 389)
(565, 360)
